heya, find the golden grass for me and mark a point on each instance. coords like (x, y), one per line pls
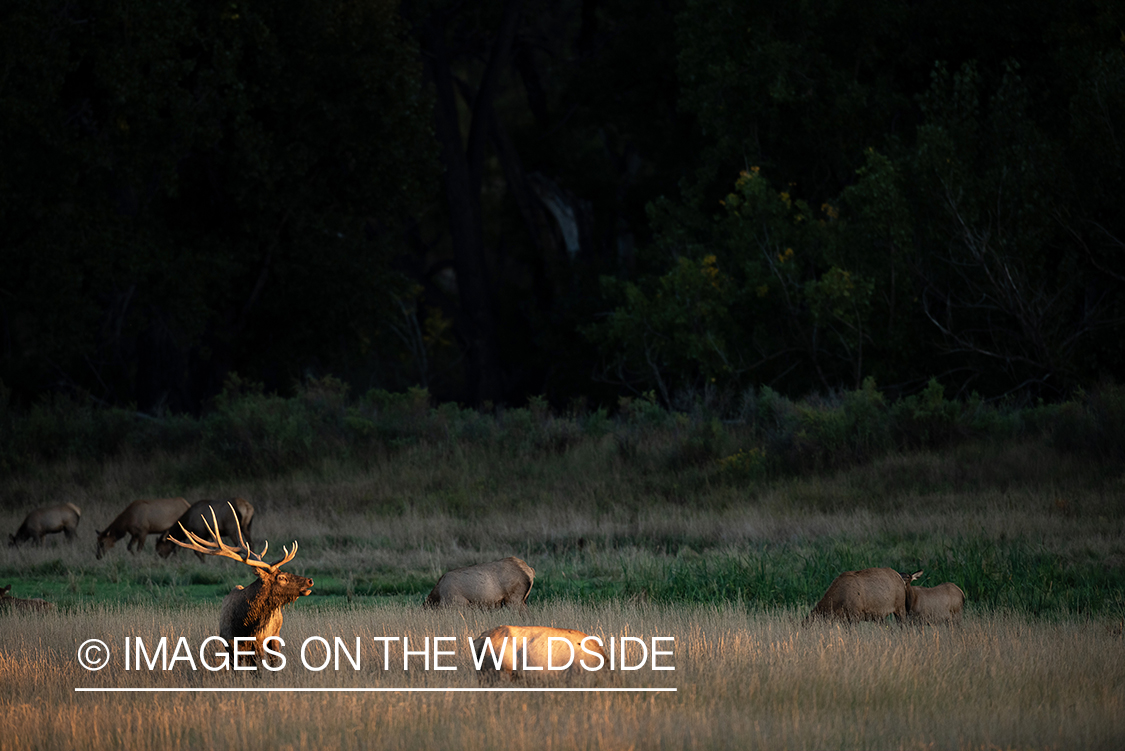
(744, 679)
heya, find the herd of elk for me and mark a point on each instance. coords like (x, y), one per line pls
(254, 612)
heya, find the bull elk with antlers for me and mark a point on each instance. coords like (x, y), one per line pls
(253, 611)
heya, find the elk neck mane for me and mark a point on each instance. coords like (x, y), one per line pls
(263, 597)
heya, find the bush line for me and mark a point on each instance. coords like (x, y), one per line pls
(248, 433)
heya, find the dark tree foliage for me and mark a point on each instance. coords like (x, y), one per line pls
(558, 122)
(926, 189)
(509, 198)
(194, 187)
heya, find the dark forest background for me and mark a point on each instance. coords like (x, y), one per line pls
(574, 199)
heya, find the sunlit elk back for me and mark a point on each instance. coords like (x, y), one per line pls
(7, 602)
(529, 652)
(231, 515)
(485, 585)
(140, 519)
(253, 611)
(940, 604)
(48, 520)
(868, 595)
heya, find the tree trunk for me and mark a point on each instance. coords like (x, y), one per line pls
(463, 173)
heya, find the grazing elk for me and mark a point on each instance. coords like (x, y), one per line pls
(48, 520)
(522, 649)
(253, 611)
(485, 585)
(140, 519)
(236, 513)
(932, 604)
(868, 595)
(16, 603)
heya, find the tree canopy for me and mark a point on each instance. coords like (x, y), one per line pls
(581, 198)
(190, 188)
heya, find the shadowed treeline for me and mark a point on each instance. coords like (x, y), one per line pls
(510, 198)
(755, 437)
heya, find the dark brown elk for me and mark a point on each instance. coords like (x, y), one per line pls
(44, 521)
(232, 514)
(868, 595)
(939, 604)
(522, 649)
(17, 603)
(140, 519)
(485, 585)
(254, 611)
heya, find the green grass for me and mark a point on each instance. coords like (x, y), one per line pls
(763, 511)
(1020, 527)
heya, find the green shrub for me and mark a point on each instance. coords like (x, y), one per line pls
(62, 426)
(252, 433)
(248, 432)
(1093, 424)
(928, 419)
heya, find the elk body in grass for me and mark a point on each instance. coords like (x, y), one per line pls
(234, 514)
(48, 520)
(939, 604)
(34, 604)
(253, 611)
(485, 585)
(140, 519)
(868, 595)
(529, 651)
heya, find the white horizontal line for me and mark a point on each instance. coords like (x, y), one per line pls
(293, 690)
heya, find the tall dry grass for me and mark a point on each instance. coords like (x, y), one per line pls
(743, 679)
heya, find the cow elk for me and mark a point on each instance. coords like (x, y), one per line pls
(253, 611)
(485, 585)
(140, 519)
(236, 513)
(940, 604)
(7, 602)
(868, 595)
(530, 651)
(48, 520)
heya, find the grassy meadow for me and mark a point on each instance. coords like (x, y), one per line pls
(745, 678)
(719, 535)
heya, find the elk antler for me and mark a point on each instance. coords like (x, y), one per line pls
(216, 546)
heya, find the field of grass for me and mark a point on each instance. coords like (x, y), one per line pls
(1016, 525)
(623, 542)
(757, 679)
